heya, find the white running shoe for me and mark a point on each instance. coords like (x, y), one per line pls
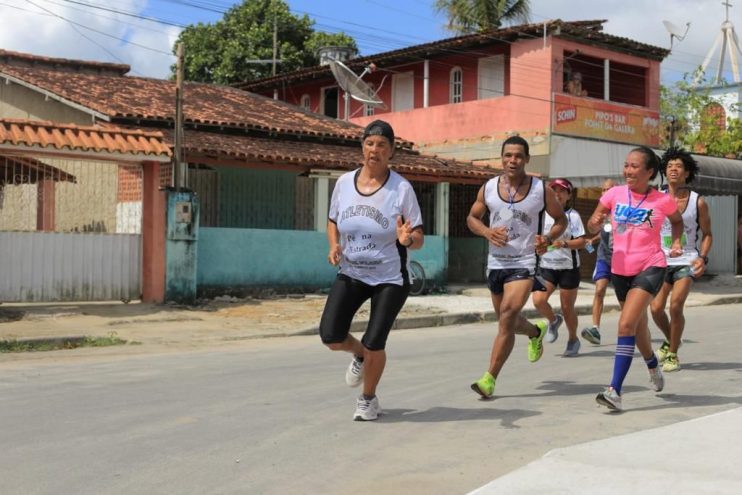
(656, 378)
(552, 333)
(367, 409)
(610, 399)
(354, 373)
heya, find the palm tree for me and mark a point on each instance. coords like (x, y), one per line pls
(469, 16)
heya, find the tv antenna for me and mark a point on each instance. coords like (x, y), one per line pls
(675, 31)
(354, 86)
(729, 44)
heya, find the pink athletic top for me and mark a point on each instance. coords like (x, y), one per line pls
(636, 225)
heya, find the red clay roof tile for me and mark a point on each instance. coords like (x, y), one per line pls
(19, 132)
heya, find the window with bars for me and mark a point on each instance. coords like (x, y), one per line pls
(462, 196)
(368, 110)
(425, 192)
(306, 102)
(456, 92)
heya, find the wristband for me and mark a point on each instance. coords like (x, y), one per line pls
(548, 238)
(705, 259)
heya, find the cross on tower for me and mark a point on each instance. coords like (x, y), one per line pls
(726, 5)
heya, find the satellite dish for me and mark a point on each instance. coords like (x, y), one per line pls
(354, 85)
(675, 31)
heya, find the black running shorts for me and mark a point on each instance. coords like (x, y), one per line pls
(650, 280)
(566, 279)
(496, 279)
(346, 296)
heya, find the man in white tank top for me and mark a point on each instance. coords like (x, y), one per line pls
(516, 203)
(679, 167)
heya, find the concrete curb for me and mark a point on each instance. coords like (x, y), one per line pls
(402, 323)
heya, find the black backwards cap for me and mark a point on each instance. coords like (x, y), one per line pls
(379, 128)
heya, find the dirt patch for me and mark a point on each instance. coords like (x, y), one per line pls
(8, 315)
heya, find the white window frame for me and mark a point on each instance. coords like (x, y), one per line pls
(487, 85)
(368, 110)
(408, 99)
(456, 85)
(306, 102)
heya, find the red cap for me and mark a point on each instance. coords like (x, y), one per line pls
(563, 183)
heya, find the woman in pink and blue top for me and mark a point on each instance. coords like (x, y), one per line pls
(637, 212)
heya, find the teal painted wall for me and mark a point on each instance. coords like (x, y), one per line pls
(271, 198)
(230, 259)
(432, 256)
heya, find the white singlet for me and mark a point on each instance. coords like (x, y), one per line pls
(523, 219)
(690, 234)
(564, 258)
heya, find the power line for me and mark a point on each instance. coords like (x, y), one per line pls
(73, 23)
(122, 12)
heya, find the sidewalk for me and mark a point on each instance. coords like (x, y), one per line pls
(700, 459)
(227, 319)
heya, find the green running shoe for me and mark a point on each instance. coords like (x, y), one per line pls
(536, 344)
(485, 386)
(671, 363)
(663, 351)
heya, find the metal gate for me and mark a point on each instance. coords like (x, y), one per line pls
(723, 212)
(70, 230)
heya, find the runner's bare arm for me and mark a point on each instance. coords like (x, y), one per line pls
(498, 235)
(704, 222)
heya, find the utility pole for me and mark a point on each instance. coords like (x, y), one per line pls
(275, 50)
(672, 120)
(179, 173)
(275, 42)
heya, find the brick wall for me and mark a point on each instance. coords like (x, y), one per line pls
(129, 183)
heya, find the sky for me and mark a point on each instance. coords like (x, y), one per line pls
(76, 29)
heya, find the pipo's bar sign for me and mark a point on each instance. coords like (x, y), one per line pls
(598, 119)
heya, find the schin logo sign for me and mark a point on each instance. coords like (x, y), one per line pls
(566, 114)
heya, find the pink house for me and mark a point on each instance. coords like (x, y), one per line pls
(461, 97)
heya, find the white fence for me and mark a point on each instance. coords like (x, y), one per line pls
(53, 266)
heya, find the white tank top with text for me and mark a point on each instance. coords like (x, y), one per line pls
(523, 219)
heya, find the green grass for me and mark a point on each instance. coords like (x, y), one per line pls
(40, 346)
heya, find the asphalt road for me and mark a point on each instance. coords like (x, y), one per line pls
(274, 415)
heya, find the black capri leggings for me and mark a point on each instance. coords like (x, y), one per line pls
(346, 296)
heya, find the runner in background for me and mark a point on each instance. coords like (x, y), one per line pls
(601, 274)
(559, 268)
(680, 168)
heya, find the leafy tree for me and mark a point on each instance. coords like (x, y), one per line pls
(470, 16)
(695, 115)
(224, 52)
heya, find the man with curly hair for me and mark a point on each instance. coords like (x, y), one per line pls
(679, 169)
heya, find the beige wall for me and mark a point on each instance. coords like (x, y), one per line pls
(19, 102)
(87, 205)
(18, 207)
